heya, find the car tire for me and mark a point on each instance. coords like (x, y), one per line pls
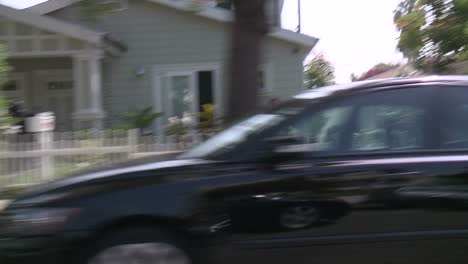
(139, 245)
(298, 217)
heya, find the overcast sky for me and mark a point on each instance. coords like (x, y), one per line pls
(20, 3)
(354, 35)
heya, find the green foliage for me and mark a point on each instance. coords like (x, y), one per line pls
(177, 127)
(140, 119)
(411, 36)
(433, 33)
(5, 119)
(319, 72)
(404, 8)
(8, 193)
(208, 120)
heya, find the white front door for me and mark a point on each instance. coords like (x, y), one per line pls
(57, 96)
(186, 88)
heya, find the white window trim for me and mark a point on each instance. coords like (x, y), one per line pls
(163, 70)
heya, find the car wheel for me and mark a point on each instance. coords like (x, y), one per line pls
(299, 217)
(139, 246)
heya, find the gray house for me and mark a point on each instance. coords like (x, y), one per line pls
(168, 54)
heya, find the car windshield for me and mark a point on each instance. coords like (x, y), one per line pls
(235, 135)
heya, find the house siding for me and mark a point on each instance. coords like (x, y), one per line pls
(158, 35)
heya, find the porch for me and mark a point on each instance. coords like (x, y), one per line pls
(56, 67)
(47, 84)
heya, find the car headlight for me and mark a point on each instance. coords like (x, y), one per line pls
(37, 221)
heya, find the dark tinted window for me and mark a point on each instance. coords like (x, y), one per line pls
(383, 120)
(389, 126)
(391, 120)
(454, 119)
(322, 130)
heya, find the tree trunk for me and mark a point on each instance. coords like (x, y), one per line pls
(249, 28)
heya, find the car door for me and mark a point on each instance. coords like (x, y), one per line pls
(371, 176)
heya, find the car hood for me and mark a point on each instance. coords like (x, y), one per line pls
(130, 171)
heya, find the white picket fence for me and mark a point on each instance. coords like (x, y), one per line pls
(32, 159)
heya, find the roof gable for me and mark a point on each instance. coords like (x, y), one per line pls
(51, 24)
(209, 12)
(73, 31)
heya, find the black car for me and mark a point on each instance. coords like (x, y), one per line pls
(391, 155)
(282, 212)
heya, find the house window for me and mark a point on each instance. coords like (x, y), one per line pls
(261, 80)
(264, 83)
(60, 85)
(10, 86)
(11, 90)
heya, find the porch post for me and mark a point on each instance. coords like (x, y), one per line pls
(96, 84)
(78, 83)
(89, 112)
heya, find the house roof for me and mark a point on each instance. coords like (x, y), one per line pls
(57, 26)
(404, 70)
(213, 13)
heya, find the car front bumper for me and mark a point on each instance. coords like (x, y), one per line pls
(64, 248)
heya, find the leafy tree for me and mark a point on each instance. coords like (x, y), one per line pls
(404, 8)
(319, 72)
(5, 118)
(433, 33)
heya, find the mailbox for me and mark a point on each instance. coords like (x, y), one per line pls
(41, 122)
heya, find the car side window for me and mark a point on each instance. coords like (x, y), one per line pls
(454, 120)
(383, 120)
(322, 130)
(388, 127)
(391, 120)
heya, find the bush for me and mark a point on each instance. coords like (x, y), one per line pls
(5, 119)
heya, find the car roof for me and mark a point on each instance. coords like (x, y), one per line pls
(380, 83)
